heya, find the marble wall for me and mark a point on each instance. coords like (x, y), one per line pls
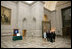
(48, 13)
(29, 17)
(58, 16)
(51, 17)
(25, 16)
(23, 13)
(37, 13)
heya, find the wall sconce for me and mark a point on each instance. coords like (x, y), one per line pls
(24, 19)
(34, 18)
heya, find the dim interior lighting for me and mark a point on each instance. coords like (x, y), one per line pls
(29, 2)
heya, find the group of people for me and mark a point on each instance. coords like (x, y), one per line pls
(49, 35)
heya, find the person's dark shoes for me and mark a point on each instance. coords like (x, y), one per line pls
(53, 40)
(48, 40)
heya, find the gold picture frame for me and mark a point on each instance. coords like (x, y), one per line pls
(5, 16)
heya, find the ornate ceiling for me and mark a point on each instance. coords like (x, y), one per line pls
(50, 5)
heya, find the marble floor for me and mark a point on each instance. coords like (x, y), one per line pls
(34, 42)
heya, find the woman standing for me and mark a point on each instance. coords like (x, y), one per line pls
(45, 36)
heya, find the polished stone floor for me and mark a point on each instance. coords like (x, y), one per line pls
(34, 42)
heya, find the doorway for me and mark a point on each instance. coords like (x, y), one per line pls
(66, 21)
(46, 25)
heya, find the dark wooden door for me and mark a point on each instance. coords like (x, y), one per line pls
(66, 19)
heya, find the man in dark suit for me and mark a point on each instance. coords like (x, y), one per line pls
(54, 36)
(48, 35)
(51, 37)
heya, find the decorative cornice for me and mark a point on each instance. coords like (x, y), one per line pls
(27, 3)
(49, 10)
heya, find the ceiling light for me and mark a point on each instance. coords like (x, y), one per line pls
(29, 2)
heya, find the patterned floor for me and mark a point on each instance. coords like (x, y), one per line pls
(34, 42)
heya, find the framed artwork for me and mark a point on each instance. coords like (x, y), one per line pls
(5, 16)
(46, 25)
